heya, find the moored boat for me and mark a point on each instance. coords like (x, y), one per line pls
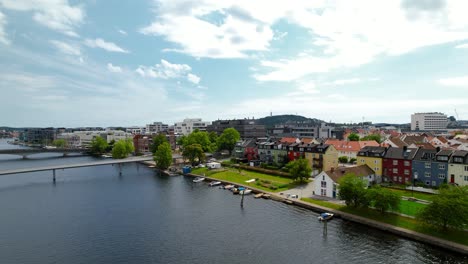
(198, 179)
(228, 187)
(214, 183)
(245, 192)
(325, 216)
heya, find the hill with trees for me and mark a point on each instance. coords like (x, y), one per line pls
(271, 121)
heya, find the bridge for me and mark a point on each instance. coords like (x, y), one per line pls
(78, 165)
(25, 152)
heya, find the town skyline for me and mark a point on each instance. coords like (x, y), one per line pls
(68, 64)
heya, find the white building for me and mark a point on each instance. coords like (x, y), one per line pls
(428, 121)
(326, 183)
(156, 127)
(136, 130)
(83, 138)
(190, 124)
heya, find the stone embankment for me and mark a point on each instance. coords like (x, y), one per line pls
(358, 219)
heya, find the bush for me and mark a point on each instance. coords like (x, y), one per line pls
(343, 159)
(273, 187)
(352, 160)
(284, 185)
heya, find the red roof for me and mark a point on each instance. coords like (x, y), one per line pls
(288, 140)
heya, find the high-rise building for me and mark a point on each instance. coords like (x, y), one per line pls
(189, 125)
(428, 121)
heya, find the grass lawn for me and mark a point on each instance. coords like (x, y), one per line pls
(418, 195)
(323, 203)
(233, 175)
(411, 224)
(409, 207)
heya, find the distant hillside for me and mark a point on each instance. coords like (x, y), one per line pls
(271, 121)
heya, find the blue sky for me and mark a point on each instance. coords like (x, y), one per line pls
(103, 63)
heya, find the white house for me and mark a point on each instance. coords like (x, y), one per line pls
(326, 183)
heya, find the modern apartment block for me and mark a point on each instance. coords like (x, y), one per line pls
(247, 128)
(38, 136)
(189, 125)
(428, 121)
(156, 127)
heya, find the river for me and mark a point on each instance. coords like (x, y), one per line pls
(93, 215)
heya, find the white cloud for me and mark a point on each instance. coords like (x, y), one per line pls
(167, 70)
(66, 48)
(100, 43)
(455, 81)
(113, 68)
(3, 36)
(57, 15)
(123, 32)
(344, 81)
(462, 46)
(193, 78)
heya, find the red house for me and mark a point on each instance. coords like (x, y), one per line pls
(295, 151)
(397, 164)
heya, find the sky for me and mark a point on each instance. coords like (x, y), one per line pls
(133, 62)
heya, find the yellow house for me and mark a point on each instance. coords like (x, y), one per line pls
(458, 168)
(321, 157)
(372, 157)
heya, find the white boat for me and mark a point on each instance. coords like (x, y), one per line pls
(198, 179)
(325, 216)
(214, 183)
(245, 192)
(228, 187)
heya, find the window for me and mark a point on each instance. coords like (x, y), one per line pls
(428, 182)
(400, 179)
(395, 170)
(323, 192)
(375, 161)
(376, 169)
(466, 168)
(406, 172)
(441, 166)
(407, 163)
(458, 159)
(427, 174)
(394, 178)
(466, 178)
(324, 184)
(427, 165)
(434, 183)
(395, 162)
(363, 161)
(441, 176)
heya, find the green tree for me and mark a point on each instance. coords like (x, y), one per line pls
(227, 140)
(201, 138)
(98, 146)
(157, 140)
(448, 209)
(129, 147)
(119, 151)
(60, 143)
(353, 190)
(182, 141)
(383, 199)
(375, 137)
(194, 153)
(299, 168)
(343, 159)
(353, 137)
(163, 156)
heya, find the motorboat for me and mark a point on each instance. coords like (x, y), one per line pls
(325, 216)
(228, 187)
(198, 179)
(214, 183)
(245, 192)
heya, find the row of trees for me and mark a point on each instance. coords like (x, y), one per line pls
(355, 137)
(354, 191)
(120, 149)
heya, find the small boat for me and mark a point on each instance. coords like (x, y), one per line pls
(258, 195)
(245, 192)
(266, 196)
(235, 191)
(325, 216)
(214, 183)
(198, 179)
(228, 187)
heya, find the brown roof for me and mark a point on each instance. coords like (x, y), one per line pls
(414, 139)
(425, 145)
(307, 140)
(342, 145)
(359, 171)
(289, 140)
(398, 142)
(364, 143)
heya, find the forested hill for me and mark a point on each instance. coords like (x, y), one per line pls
(270, 121)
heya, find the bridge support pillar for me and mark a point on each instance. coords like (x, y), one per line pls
(53, 175)
(120, 169)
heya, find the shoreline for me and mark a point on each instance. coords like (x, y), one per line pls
(409, 234)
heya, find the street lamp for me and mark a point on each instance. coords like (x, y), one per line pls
(415, 177)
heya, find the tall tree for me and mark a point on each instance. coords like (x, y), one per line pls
(448, 209)
(98, 145)
(157, 140)
(194, 153)
(163, 156)
(299, 168)
(375, 137)
(353, 190)
(383, 199)
(227, 140)
(201, 138)
(60, 143)
(129, 147)
(119, 151)
(353, 137)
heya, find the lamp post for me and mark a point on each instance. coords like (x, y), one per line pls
(415, 177)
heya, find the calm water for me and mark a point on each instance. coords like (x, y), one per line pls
(94, 216)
